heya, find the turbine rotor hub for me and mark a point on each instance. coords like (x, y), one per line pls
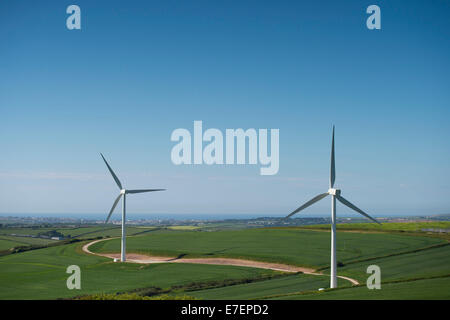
(123, 191)
(334, 192)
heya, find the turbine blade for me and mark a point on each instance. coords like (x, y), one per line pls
(352, 206)
(332, 167)
(144, 190)
(113, 207)
(112, 173)
(307, 204)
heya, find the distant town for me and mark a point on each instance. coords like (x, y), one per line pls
(66, 222)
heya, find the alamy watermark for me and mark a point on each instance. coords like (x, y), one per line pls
(374, 20)
(190, 150)
(374, 280)
(74, 280)
(74, 20)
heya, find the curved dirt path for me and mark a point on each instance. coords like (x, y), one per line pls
(145, 259)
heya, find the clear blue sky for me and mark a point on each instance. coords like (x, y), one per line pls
(140, 69)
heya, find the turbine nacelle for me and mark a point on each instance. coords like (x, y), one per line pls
(334, 192)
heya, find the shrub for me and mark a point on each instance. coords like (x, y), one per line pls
(133, 296)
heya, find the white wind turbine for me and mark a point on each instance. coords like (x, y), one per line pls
(335, 194)
(123, 192)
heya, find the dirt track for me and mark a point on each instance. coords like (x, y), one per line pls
(140, 258)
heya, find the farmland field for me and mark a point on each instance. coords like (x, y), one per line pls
(261, 289)
(413, 265)
(435, 289)
(78, 232)
(41, 274)
(425, 263)
(420, 275)
(296, 247)
(5, 244)
(11, 241)
(28, 236)
(393, 226)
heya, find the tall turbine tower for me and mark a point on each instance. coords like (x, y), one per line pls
(335, 194)
(123, 192)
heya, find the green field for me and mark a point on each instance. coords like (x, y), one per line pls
(261, 289)
(41, 274)
(428, 289)
(6, 244)
(84, 232)
(393, 226)
(421, 275)
(413, 265)
(422, 264)
(10, 241)
(296, 247)
(15, 237)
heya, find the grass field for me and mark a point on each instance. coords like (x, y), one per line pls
(401, 257)
(393, 226)
(41, 274)
(14, 237)
(427, 289)
(78, 232)
(297, 247)
(261, 289)
(413, 265)
(426, 263)
(11, 241)
(6, 244)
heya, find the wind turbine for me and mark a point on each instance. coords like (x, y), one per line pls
(123, 192)
(335, 194)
